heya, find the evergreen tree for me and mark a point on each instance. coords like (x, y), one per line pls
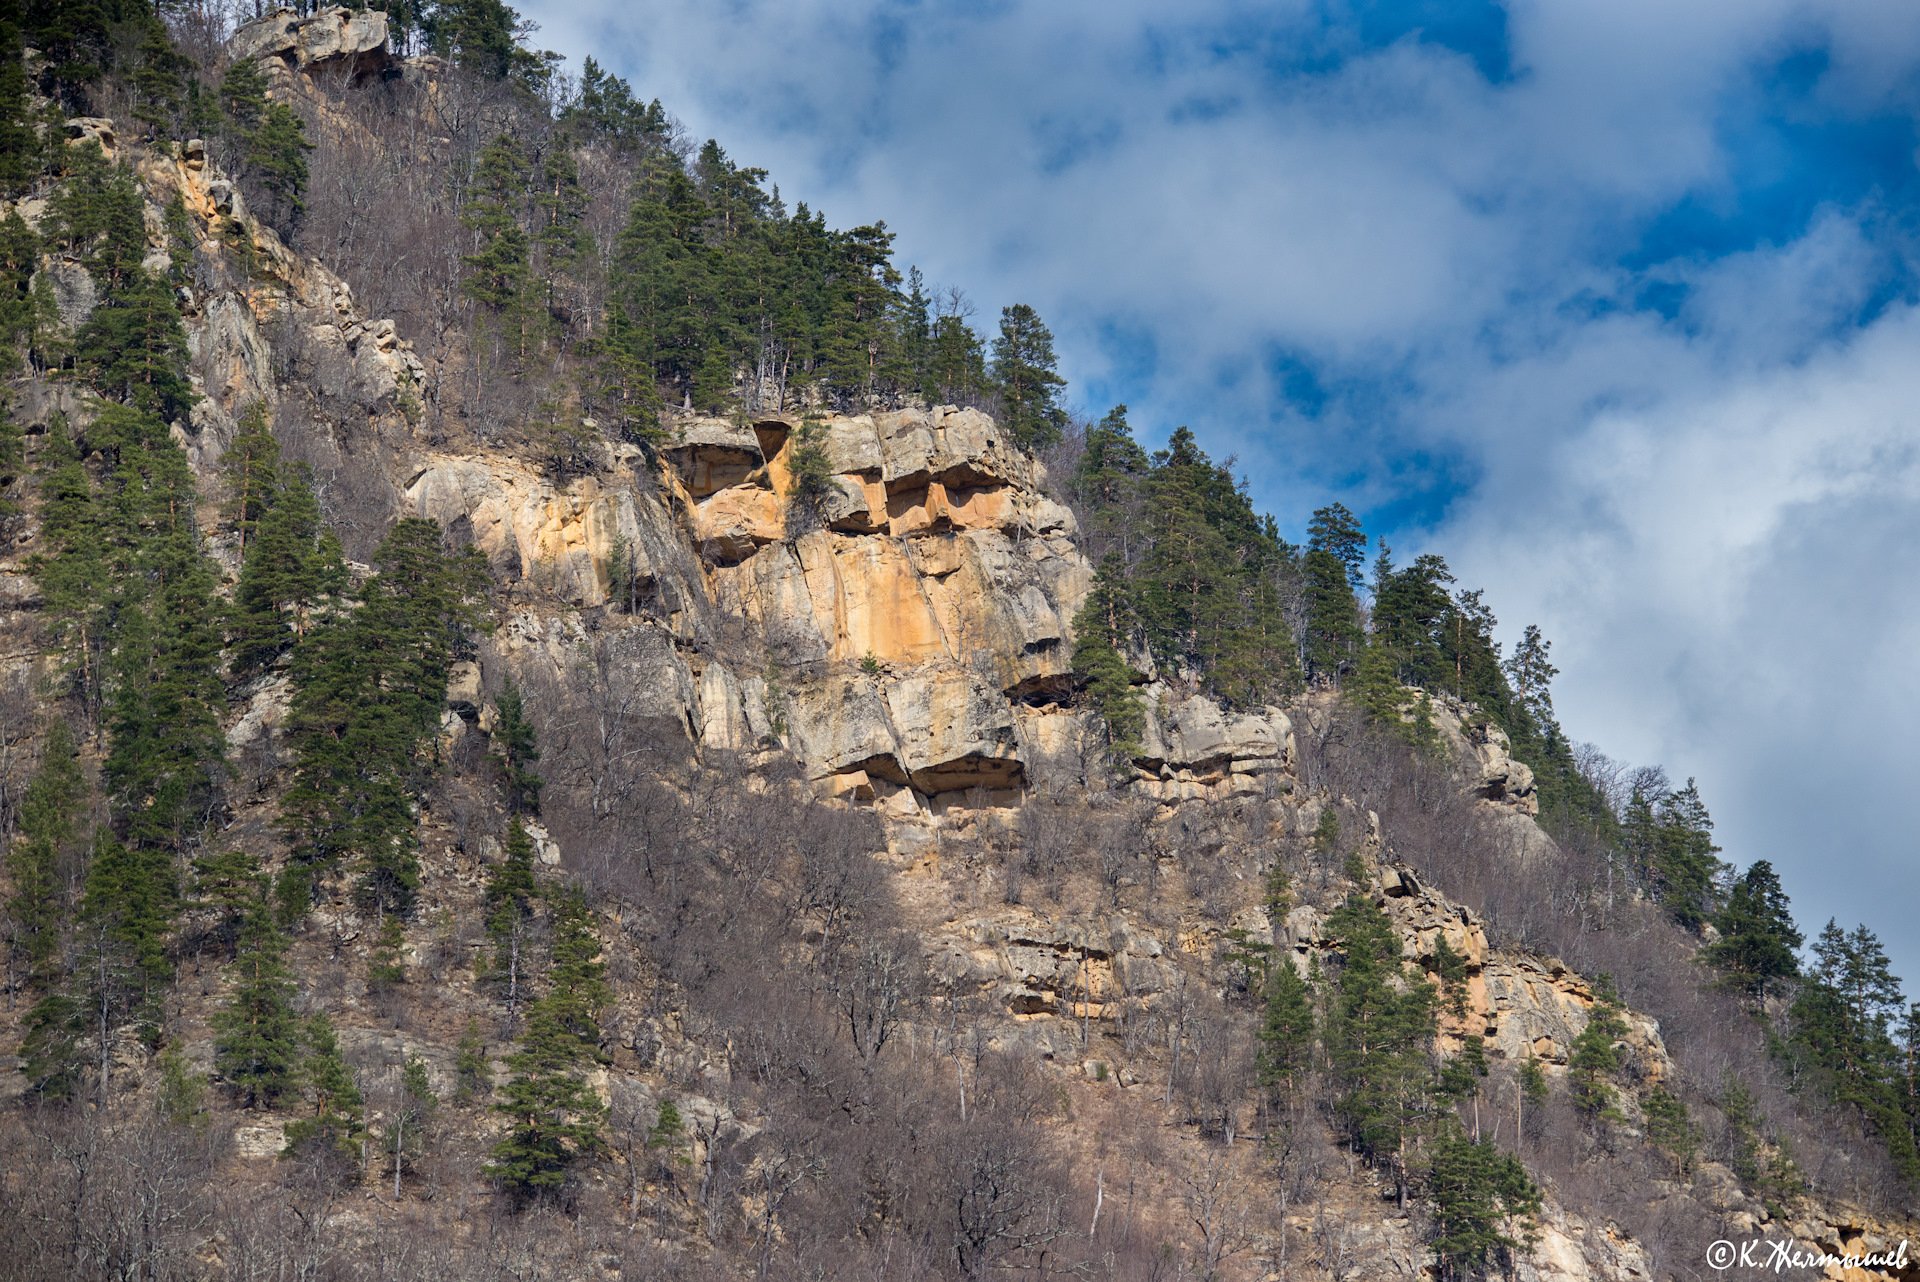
(292, 567)
(227, 884)
(134, 348)
(52, 1056)
(500, 273)
(369, 688)
(1671, 1130)
(1379, 1033)
(278, 158)
(1595, 1058)
(252, 469)
(50, 816)
(1101, 632)
(333, 1130)
(1024, 377)
(1758, 946)
(127, 909)
(1686, 870)
(1531, 676)
(509, 902)
(1483, 1205)
(554, 1115)
(1286, 1031)
(257, 1038)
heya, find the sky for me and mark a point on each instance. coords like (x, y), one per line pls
(1614, 305)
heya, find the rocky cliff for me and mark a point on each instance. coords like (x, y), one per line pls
(903, 641)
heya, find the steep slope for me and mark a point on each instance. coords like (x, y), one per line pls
(709, 647)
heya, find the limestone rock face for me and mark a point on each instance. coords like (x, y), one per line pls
(560, 539)
(1501, 778)
(355, 41)
(1075, 970)
(1192, 747)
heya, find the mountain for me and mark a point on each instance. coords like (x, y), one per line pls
(552, 729)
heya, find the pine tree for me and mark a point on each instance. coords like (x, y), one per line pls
(509, 902)
(227, 884)
(52, 1056)
(1379, 1034)
(1483, 1205)
(1287, 1029)
(257, 1038)
(1758, 946)
(1531, 676)
(369, 687)
(1671, 1130)
(293, 566)
(500, 272)
(554, 1115)
(1102, 631)
(1024, 377)
(277, 155)
(252, 469)
(127, 909)
(134, 348)
(1596, 1057)
(1686, 870)
(50, 816)
(334, 1128)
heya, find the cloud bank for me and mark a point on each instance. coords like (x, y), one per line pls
(1612, 304)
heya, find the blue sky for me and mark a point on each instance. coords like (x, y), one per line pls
(1613, 304)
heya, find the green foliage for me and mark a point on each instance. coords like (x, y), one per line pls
(127, 908)
(1840, 1038)
(251, 469)
(96, 214)
(509, 907)
(809, 475)
(386, 961)
(1484, 1204)
(370, 684)
(1026, 380)
(1332, 638)
(279, 160)
(1190, 571)
(1671, 1130)
(49, 823)
(256, 1044)
(1102, 631)
(51, 1056)
(1533, 1092)
(1757, 951)
(134, 348)
(333, 1129)
(292, 569)
(19, 326)
(1462, 1073)
(1666, 837)
(482, 36)
(1595, 1058)
(554, 1116)
(1286, 1029)
(1379, 1034)
(182, 1095)
(517, 750)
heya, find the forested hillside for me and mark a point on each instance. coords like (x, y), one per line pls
(561, 717)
